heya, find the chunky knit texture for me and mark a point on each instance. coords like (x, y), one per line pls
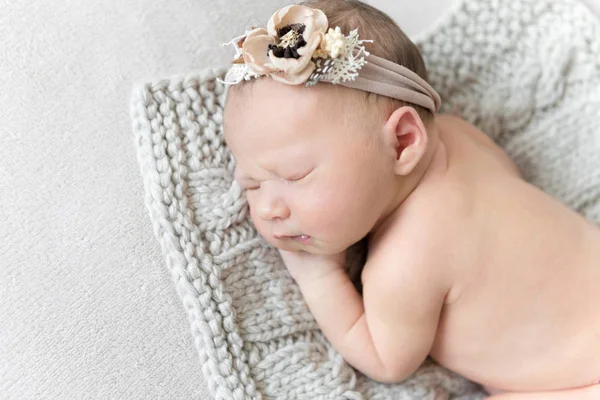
(527, 72)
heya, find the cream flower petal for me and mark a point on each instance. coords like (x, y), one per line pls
(294, 79)
(290, 65)
(316, 22)
(311, 44)
(292, 14)
(321, 23)
(256, 32)
(255, 50)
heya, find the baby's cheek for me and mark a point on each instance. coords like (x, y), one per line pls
(260, 225)
(327, 206)
(256, 220)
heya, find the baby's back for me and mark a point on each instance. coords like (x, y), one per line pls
(524, 313)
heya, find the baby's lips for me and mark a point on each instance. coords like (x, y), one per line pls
(301, 238)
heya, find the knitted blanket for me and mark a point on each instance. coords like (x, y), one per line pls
(526, 72)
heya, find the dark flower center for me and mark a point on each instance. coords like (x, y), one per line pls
(289, 40)
(296, 27)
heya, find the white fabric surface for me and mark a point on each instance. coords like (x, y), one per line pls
(86, 306)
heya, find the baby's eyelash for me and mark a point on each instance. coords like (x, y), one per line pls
(253, 186)
(248, 185)
(298, 178)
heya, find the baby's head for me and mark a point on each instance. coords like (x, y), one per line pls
(324, 165)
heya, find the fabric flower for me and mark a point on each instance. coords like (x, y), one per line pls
(284, 50)
(254, 51)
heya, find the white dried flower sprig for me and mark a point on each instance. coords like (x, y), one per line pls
(335, 42)
(345, 67)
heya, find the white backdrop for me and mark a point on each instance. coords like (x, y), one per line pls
(86, 305)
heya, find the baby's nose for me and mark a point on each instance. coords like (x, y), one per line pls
(272, 208)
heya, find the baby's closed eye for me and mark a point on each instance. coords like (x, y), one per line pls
(297, 177)
(247, 183)
(250, 184)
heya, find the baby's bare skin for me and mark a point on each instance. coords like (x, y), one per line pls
(467, 262)
(521, 310)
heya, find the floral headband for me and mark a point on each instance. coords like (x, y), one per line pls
(296, 48)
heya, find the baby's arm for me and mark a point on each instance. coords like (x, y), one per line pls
(388, 335)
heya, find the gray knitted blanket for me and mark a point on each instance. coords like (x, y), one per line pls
(527, 72)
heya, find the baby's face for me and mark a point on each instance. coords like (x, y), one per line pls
(310, 162)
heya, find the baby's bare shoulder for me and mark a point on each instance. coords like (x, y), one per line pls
(415, 244)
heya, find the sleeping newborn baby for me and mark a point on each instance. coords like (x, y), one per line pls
(336, 139)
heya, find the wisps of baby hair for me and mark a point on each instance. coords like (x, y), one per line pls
(298, 47)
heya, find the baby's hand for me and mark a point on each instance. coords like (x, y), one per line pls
(309, 267)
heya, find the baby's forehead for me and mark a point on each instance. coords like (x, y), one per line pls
(266, 95)
(266, 113)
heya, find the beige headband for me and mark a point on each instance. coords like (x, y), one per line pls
(296, 48)
(389, 79)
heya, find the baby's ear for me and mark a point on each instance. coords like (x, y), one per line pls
(406, 134)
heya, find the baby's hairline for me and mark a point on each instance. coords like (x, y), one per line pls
(367, 101)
